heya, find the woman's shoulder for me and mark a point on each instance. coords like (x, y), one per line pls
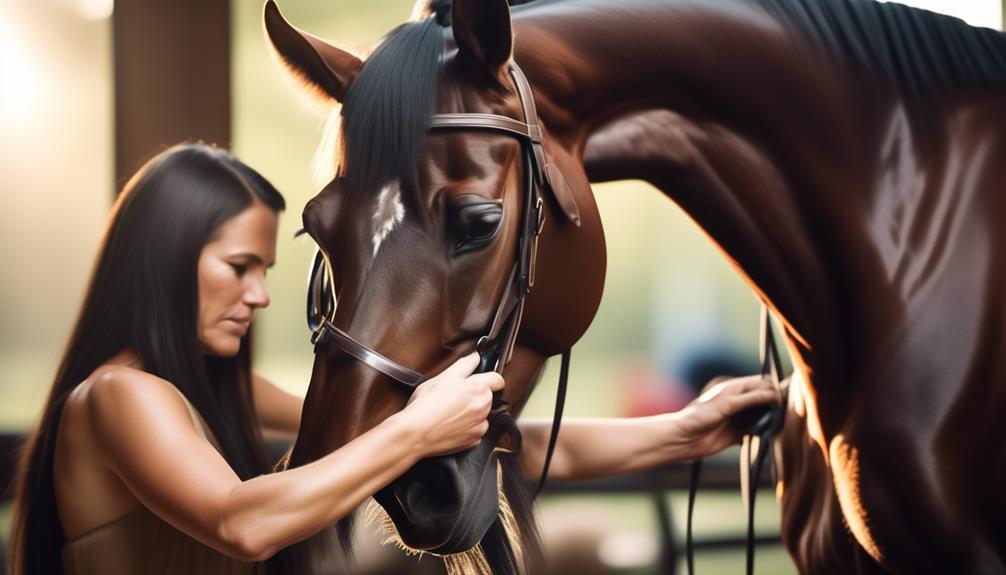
(119, 383)
(116, 397)
(104, 420)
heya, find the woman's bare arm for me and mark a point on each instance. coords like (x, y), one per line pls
(595, 447)
(590, 448)
(278, 411)
(144, 429)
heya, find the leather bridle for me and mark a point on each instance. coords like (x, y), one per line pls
(496, 346)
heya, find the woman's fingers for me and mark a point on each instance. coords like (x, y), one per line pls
(742, 401)
(463, 367)
(748, 383)
(490, 378)
(736, 386)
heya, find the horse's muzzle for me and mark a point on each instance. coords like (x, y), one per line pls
(446, 504)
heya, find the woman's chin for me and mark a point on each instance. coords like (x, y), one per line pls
(224, 346)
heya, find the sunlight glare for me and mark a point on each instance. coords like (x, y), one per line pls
(22, 84)
(96, 9)
(987, 13)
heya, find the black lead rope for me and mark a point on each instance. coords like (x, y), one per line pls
(693, 488)
(759, 440)
(560, 400)
(764, 431)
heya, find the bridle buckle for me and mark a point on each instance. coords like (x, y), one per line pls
(539, 206)
(320, 335)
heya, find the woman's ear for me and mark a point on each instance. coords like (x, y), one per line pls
(321, 67)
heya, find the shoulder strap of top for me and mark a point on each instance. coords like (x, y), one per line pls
(197, 421)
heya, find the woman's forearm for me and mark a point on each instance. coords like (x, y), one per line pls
(267, 513)
(590, 448)
(170, 468)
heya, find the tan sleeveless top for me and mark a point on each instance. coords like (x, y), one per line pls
(141, 543)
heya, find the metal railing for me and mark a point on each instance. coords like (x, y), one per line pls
(719, 474)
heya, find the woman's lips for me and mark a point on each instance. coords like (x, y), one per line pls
(241, 324)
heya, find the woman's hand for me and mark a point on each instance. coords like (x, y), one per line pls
(450, 410)
(705, 422)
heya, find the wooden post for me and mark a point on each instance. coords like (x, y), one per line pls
(172, 77)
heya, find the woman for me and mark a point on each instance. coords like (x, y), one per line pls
(148, 456)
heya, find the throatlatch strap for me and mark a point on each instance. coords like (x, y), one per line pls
(560, 400)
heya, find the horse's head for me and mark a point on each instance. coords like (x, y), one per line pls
(427, 233)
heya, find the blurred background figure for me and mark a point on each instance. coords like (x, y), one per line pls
(89, 89)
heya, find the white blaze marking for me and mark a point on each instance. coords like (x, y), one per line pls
(389, 213)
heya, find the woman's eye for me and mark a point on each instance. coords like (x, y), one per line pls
(239, 269)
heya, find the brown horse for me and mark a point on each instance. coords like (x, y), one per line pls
(846, 156)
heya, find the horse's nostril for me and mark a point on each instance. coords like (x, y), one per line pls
(426, 498)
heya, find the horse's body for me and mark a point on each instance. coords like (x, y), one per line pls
(869, 224)
(855, 181)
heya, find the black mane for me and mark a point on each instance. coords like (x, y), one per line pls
(923, 52)
(388, 106)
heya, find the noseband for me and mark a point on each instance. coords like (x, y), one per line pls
(496, 346)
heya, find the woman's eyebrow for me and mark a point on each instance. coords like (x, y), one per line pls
(252, 256)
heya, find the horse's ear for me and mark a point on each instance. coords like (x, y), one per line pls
(320, 65)
(482, 32)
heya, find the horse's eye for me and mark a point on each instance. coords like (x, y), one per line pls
(484, 225)
(478, 220)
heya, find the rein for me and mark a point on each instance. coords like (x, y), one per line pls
(756, 444)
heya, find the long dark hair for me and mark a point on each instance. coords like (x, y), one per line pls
(143, 296)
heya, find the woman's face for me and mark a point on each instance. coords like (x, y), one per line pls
(232, 269)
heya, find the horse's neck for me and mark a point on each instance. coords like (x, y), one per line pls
(811, 179)
(718, 108)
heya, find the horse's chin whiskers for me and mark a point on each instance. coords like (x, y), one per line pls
(471, 562)
(507, 518)
(376, 515)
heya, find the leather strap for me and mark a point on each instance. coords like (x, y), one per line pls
(366, 355)
(693, 488)
(560, 401)
(488, 122)
(531, 117)
(755, 447)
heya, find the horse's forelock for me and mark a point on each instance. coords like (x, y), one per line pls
(387, 108)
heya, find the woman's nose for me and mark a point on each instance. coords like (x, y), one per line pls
(256, 294)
